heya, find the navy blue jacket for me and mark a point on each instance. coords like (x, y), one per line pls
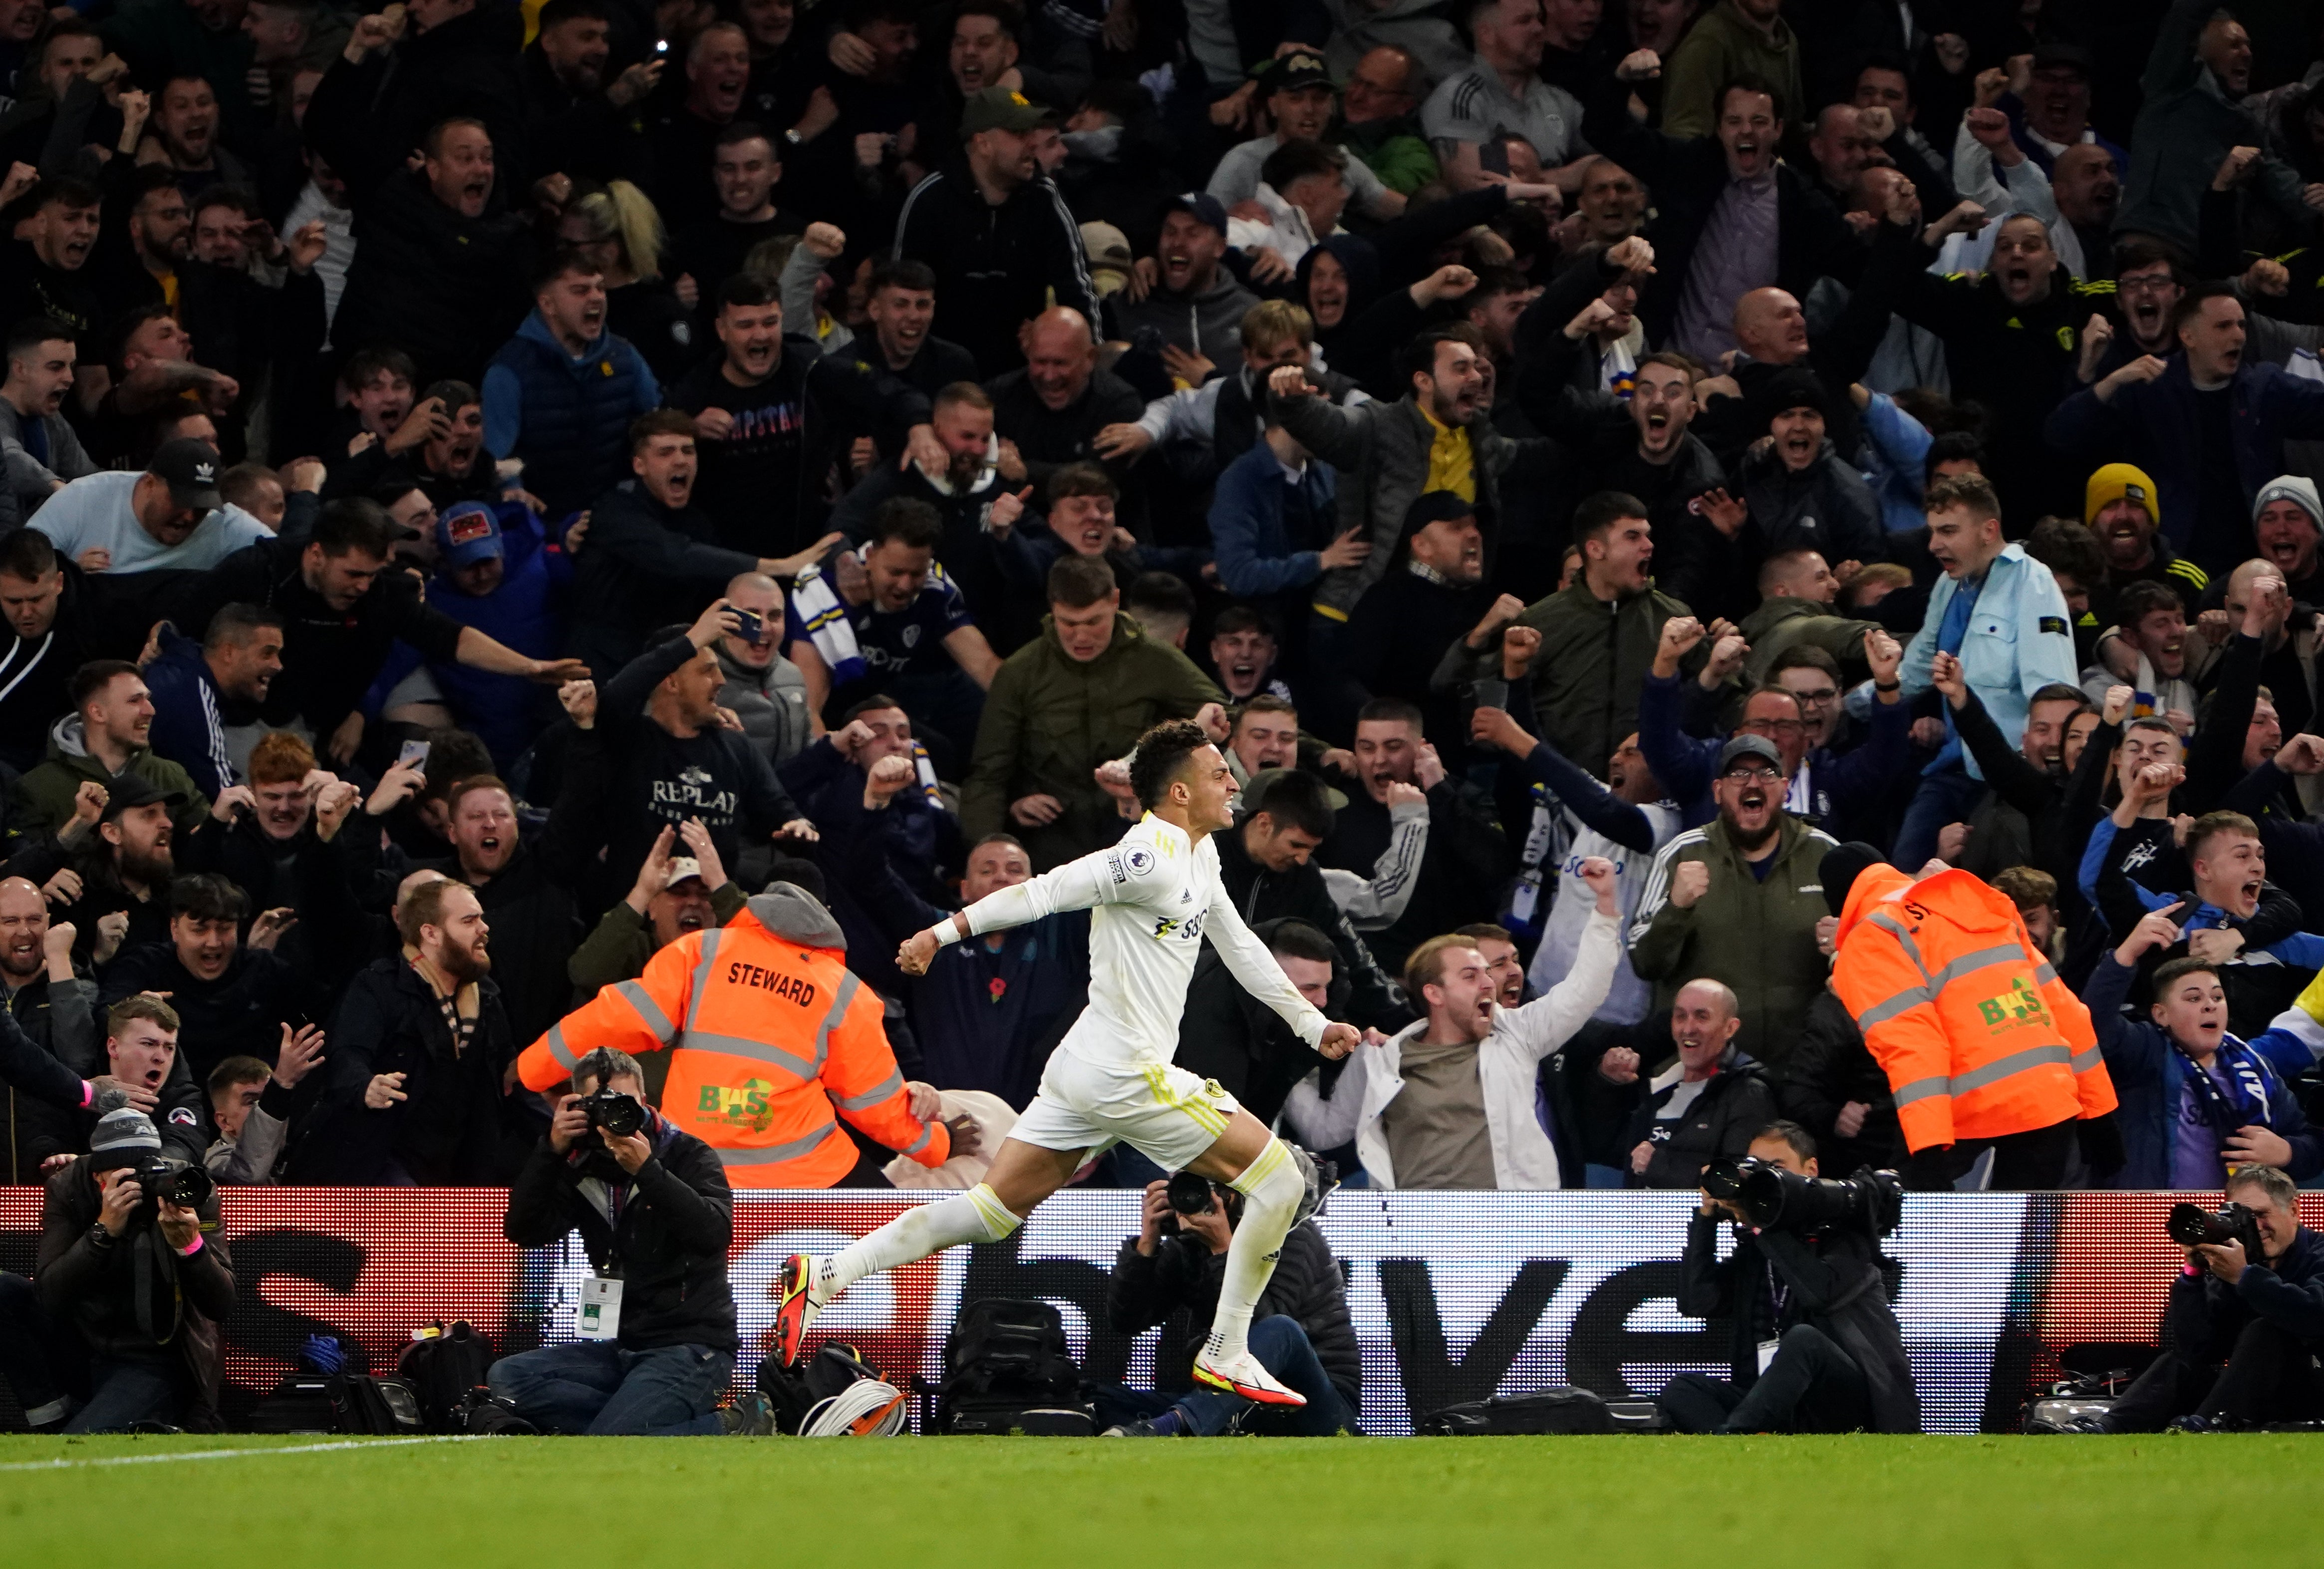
(2150, 1075)
(1840, 788)
(1259, 553)
(2158, 423)
(566, 418)
(188, 728)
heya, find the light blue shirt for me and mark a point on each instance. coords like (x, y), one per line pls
(2020, 638)
(93, 513)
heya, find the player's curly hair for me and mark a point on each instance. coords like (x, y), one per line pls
(1162, 752)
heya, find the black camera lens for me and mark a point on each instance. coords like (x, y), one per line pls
(618, 1114)
(1188, 1194)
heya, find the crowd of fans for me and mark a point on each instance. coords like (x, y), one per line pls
(490, 490)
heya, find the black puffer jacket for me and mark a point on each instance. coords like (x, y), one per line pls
(1732, 1108)
(1829, 1066)
(669, 1248)
(136, 1297)
(1306, 1286)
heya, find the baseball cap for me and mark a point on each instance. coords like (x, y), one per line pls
(135, 789)
(1299, 68)
(2058, 52)
(1743, 746)
(1435, 506)
(1001, 109)
(467, 532)
(682, 867)
(1206, 207)
(2119, 482)
(1110, 259)
(191, 468)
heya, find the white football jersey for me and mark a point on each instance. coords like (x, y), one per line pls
(1155, 896)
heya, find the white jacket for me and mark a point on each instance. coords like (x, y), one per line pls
(1523, 1158)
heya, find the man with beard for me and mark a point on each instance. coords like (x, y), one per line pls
(123, 873)
(2123, 510)
(2010, 334)
(1737, 900)
(2211, 421)
(341, 611)
(1704, 1106)
(1048, 412)
(1193, 300)
(1821, 789)
(524, 887)
(772, 413)
(575, 120)
(419, 1047)
(2001, 614)
(48, 1038)
(207, 694)
(1460, 878)
(997, 234)
(2087, 191)
(985, 551)
(684, 135)
(1448, 1102)
(1437, 435)
(561, 392)
(233, 998)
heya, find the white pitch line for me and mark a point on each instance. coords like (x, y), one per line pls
(232, 1453)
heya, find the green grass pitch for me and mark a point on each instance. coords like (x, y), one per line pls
(965, 1503)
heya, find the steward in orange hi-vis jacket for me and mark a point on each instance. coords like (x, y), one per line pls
(1982, 1043)
(772, 1041)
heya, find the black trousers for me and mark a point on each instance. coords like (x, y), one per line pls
(1811, 1385)
(2028, 1162)
(2270, 1377)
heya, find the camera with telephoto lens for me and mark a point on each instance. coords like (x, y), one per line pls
(160, 1179)
(2191, 1225)
(1187, 1195)
(1772, 1198)
(618, 1114)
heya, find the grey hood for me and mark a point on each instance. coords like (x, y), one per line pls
(791, 913)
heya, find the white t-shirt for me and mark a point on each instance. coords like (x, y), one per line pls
(1236, 179)
(93, 513)
(1474, 106)
(1155, 896)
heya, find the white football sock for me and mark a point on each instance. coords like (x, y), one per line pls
(1271, 1188)
(977, 1215)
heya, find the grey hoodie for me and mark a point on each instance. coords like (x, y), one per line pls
(790, 911)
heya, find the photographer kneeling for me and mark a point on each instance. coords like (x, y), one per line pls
(133, 1282)
(2244, 1330)
(1817, 1346)
(1301, 1330)
(657, 1322)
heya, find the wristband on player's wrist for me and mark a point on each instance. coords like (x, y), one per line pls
(945, 932)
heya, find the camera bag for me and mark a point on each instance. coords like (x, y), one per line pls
(443, 1370)
(379, 1407)
(1560, 1409)
(2069, 1401)
(795, 1391)
(1008, 1370)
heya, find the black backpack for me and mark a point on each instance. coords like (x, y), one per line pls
(444, 1369)
(1562, 1409)
(1007, 1369)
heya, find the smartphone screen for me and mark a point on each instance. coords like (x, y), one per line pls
(1493, 157)
(413, 755)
